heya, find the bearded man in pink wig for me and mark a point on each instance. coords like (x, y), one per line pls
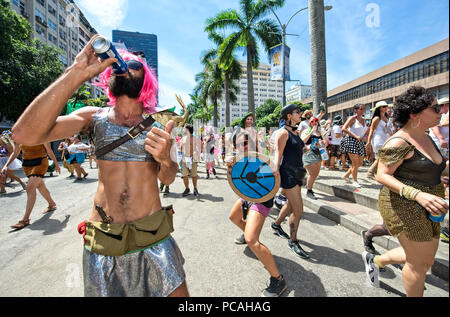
(128, 249)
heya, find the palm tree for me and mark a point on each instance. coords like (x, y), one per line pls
(318, 58)
(210, 86)
(231, 70)
(250, 26)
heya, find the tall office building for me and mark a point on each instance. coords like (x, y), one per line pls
(264, 89)
(59, 23)
(140, 42)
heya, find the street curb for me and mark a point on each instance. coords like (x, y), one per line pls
(440, 267)
(345, 193)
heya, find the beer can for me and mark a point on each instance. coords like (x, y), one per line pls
(105, 49)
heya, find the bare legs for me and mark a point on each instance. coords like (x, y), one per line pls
(33, 184)
(357, 162)
(418, 257)
(252, 230)
(313, 172)
(294, 206)
(80, 171)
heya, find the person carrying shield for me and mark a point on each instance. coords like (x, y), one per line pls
(250, 218)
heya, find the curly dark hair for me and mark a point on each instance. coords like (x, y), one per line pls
(414, 100)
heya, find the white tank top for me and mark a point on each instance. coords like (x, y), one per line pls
(358, 129)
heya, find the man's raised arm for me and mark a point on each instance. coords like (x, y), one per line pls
(39, 123)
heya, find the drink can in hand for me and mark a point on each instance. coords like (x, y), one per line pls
(105, 49)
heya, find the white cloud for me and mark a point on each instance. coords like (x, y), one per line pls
(167, 95)
(108, 13)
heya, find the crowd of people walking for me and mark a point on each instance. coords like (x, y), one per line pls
(405, 145)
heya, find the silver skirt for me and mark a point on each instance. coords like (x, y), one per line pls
(154, 272)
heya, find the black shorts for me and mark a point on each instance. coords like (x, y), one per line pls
(290, 177)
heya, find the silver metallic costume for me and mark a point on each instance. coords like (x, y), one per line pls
(156, 271)
(105, 132)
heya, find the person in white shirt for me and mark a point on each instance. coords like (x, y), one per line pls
(77, 152)
(379, 132)
(335, 142)
(356, 130)
(440, 133)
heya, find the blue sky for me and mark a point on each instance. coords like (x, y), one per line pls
(358, 40)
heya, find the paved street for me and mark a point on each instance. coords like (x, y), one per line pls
(44, 259)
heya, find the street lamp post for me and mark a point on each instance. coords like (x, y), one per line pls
(283, 29)
(283, 55)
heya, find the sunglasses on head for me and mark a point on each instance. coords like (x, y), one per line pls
(436, 108)
(135, 65)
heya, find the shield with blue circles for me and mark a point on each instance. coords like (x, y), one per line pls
(252, 178)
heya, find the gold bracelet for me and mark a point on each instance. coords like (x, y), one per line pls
(410, 192)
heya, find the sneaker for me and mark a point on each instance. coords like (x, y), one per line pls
(276, 287)
(195, 192)
(311, 195)
(279, 231)
(356, 185)
(166, 191)
(372, 270)
(346, 179)
(297, 249)
(368, 246)
(240, 240)
(444, 234)
(280, 201)
(186, 192)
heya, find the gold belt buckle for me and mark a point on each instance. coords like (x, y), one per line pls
(132, 136)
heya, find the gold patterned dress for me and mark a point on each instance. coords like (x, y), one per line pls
(407, 216)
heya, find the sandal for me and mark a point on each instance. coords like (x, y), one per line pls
(49, 209)
(21, 224)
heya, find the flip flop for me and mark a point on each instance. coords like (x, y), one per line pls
(49, 209)
(21, 224)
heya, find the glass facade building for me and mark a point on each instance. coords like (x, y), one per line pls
(140, 42)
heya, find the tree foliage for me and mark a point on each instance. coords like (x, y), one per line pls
(248, 26)
(27, 66)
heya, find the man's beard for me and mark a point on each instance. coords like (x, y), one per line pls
(125, 86)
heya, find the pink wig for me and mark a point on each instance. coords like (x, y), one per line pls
(149, 89)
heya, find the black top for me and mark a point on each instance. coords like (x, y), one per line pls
(420, 169)
(293, 151)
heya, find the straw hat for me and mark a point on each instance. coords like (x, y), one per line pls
(443, 100)
(306, 112)
(380, 104)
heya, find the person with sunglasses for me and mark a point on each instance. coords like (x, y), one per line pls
(250, 217)
(289, 163)
(410, 169)
(128, 248)
(440, 133)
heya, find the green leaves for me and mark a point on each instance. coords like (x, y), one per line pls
(245, 29)
(27, 66)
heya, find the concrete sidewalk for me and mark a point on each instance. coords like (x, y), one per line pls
(357, 210)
